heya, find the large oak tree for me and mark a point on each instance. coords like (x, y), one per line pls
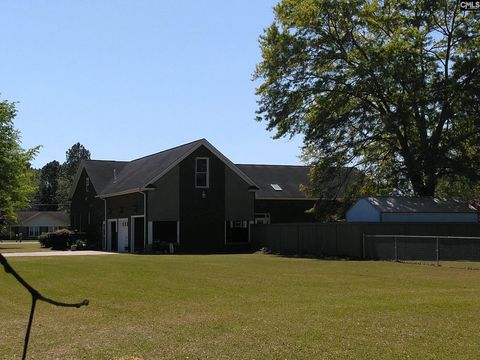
(392, 87)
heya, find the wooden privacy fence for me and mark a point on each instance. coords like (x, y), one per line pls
(347, 239)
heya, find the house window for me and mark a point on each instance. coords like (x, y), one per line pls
(87, 183)
(201, 172)
(33, 231)
(238, 224)
(262, 218)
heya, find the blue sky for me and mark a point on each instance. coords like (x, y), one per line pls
(130, 78)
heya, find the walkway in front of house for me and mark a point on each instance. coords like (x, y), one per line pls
(59, 253)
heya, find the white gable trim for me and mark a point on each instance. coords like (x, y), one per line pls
(217, 153)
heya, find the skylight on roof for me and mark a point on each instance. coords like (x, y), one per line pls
(276, 187)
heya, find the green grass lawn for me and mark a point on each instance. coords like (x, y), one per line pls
(31, 246)
(241, 307)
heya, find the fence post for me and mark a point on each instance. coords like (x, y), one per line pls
(438, 253)
(395, 245)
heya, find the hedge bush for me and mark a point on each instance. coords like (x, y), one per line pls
(44, 240)
(61, 239)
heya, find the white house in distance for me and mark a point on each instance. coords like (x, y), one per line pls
(33, 223)
(405, 209)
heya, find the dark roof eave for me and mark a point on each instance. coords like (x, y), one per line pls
(125, 192)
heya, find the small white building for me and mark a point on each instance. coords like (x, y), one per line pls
(405, 209)
(33, 223)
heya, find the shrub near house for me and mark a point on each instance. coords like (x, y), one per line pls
(63, 239)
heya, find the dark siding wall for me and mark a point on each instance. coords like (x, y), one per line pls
(163, 202)
(202, 220)
(286, 211)
(124, 206)
(239, 202)
(84, 203)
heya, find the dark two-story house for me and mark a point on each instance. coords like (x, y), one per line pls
(191, 196)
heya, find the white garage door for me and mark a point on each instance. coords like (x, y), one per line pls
(122, 235)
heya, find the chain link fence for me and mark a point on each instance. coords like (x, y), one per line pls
(420, 247)
(412, 241)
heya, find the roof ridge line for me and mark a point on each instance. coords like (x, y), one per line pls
(172, 148)
(274, 165)
(107, 160)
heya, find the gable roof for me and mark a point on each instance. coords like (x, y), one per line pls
(287, 177)
(392, 204)
(138, 174)
(100, 173)
(24, 217)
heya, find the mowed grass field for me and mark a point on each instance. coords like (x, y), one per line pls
(24, 246)
(241, 307)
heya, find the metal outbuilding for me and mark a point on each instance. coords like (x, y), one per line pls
(411, 209)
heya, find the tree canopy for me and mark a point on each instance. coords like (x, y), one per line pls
(55, 179)
(74, 156)
(391, 87)
(47, 195)
(16, 175)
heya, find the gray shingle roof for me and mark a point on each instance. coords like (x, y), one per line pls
(24, 216)
(138, 173)
(100, 172)
(419, 205)
(288, 177)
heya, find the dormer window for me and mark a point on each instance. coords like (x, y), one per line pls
(276, 187)
(202, 176)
